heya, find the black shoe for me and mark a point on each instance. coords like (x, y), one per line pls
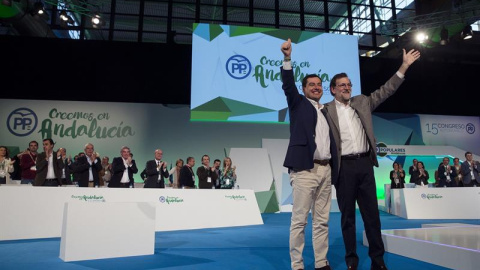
(326, 267)
(379, 267)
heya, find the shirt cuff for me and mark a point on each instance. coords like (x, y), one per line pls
(400, 75)
(287, 65)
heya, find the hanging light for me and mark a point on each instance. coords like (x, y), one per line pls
(444, 36)
(38, 8)
(97, 21)
(467, 32)
(421, 37)
(65, 19)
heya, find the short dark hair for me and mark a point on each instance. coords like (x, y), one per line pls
(50, 140)
(35, 142)
(305, 79)
(468, 153)
(217, 160)
(189, 158)
(333, 81)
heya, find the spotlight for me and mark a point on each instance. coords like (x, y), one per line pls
(421, 37)
(467, 32)
(65, 19)
(97, 21)
(38, 8)
(444, 36)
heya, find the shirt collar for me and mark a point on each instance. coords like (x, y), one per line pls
(315, 104)
(342, 105)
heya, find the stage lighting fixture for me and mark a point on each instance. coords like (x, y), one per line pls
(65, 19)
(421, 37)
(38, 8)
(467, 32)
(444, 36)
(97, 21)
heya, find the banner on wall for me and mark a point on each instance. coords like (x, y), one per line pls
(71, 125)
(236, 69)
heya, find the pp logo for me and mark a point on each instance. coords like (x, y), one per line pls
(22, 122)
(238, 67)
(161, 199)
(380, 149)
(424, 196)
(470, 128)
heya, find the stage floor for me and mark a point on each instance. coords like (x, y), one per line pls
(451, 245)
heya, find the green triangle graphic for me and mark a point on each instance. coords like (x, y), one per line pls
(233, 107)
(243, 30)
(267, 201)
(214, 105)
(215, 31)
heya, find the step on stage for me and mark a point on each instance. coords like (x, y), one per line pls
(451, 245)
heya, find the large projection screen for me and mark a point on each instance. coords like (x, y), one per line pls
(236, 70)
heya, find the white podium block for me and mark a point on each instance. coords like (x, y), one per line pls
(101, 230)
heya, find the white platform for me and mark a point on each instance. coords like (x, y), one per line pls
(107, 230)
(456, 247)
(37, 212)
(436, 203)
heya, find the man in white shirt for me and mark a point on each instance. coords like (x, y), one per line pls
(308, 161)
(350, 119)
(156, 171)
(123, 169)
(49, 165)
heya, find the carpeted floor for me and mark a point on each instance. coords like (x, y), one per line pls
(252, 247)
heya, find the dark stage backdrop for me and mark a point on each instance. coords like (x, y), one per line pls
(59, 69)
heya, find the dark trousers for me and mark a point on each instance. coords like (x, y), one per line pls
(356, 183)
(50, 183)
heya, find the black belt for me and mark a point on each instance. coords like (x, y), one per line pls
(355, 156)
(321, 162)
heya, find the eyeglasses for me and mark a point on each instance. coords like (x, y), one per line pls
(344, 85)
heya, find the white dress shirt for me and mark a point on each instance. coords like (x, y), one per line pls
(322, 136)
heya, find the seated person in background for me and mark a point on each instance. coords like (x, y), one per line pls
(123, 169)
(412, 169)
(470, 171)
(445, 174)
(457, 168)
(86, 168)
(187, 177)
(67, 169)
(217, 171)
(420, 176)
(228, 178)
(106, 171)
(6, 165)
(175, 173)
(156, 171)
(397, 176)
(49, 166)
(206, 174)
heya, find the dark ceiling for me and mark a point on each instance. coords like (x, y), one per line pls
(119, 56)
